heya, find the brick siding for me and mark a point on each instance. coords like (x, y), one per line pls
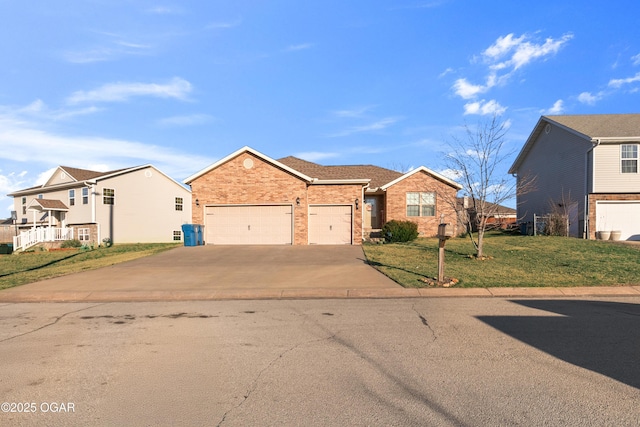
(593, 198)
(396, 203)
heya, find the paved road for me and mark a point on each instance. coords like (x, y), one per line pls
(440, 362)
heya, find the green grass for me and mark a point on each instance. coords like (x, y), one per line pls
(514, 261)
(19, 269)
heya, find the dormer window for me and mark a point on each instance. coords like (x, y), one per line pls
(629, 158)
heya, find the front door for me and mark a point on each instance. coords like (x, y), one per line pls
(372, 217)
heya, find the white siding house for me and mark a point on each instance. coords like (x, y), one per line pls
(586, 165)
(139, 204)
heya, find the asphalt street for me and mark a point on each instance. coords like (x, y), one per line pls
(444, 361)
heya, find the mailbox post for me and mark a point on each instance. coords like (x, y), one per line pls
(445, 232)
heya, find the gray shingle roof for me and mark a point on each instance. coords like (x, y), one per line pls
(85, 174)
(601, 125)
(378, 176)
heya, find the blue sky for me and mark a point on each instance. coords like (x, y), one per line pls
(105, 84)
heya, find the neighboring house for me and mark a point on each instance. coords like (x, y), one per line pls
(138, 204)
(250, 198)
(498, 216)
(587, 167)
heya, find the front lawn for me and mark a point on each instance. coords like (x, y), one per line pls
(514, 261)
(18, 269)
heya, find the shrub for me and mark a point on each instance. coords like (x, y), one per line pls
(75, 243)
(400, 231)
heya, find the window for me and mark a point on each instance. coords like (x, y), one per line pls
(178, 203)
(108, 196)
(629, 158)
(177, 235)
(72, 197)
(24, 206)
(85, 196)
(40, 196)
(421, 204)
(83, 234)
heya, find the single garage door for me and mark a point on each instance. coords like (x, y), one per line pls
(249, 225)
(619, 215)
(330, 225)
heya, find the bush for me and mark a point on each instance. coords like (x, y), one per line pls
(75, 243)
(400, 231)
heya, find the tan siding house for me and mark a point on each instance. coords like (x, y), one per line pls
(139, 204)
(586, 165)
(243, 197)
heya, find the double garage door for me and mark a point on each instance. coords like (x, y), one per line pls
(619, 215)
(273, 225)
(249, 225)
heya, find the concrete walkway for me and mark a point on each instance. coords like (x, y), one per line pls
(256, 272)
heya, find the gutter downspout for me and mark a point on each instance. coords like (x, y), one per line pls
(587, 226)
(92, 191)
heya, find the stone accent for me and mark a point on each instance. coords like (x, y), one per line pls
(593, 198)
(396, 202)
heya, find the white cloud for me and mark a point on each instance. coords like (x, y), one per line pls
(371, 127)
(588, 98)
(354, 112)
(483, 108)
(24, 142)
(521, 50)
(466, 90)
(502, 46)
(557, 108)
(118, 92)
(187, 120)
(636, 59)
(502, 58)
(296, 47)
(44, 176)
(452, 174)
(314, 156)
(617, 83)
(222, 25)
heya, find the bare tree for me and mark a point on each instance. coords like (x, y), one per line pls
(475, 159)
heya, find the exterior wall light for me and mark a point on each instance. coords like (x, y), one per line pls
(357, 203)
(197, 202)
(297, 201)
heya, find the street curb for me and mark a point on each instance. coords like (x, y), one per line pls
(14, 295)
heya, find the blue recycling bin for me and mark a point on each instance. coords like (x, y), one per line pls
(199, 234)
(189, 233)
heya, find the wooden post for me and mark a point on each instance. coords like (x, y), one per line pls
(441, 243)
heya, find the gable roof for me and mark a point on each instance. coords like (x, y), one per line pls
(601, 126)
(593, 128)
(49, 204)
(378, 176)
(428, 172)
(80, 176)
(256, 153)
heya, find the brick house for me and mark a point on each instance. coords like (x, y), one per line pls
(250, 198)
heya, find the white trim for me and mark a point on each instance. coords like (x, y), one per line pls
(426, 170)
(246, 149)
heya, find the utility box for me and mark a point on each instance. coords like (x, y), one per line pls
(445, 231)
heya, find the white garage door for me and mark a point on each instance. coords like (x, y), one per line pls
(619, 215)
(249, 225)
(330, 225)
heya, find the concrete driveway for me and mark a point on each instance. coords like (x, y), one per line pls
(211, 272)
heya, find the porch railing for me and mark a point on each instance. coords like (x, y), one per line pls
(31, 237)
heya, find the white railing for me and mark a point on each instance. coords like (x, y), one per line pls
(34, 236)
